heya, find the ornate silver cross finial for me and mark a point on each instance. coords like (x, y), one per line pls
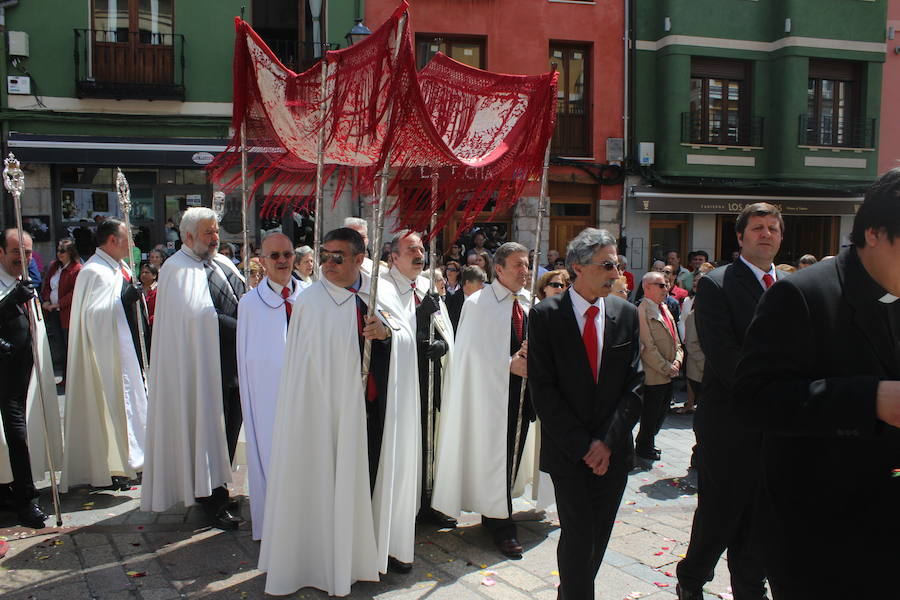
(218, 204)
(13, 178)
(123, 191)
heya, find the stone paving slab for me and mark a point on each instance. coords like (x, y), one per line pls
(109, 549)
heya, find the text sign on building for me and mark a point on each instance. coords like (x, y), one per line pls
(793, 206)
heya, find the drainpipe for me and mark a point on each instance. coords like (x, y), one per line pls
(4, 125)
(626, 112)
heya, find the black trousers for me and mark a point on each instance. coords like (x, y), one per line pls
(587, 506)
(15, 373)
(724, 520)
(504, 529)
(59, 341)
(653, 413)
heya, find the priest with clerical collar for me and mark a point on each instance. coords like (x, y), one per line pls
(106, 396)
(480, 408)
(195, 408)
(345, 453)
(263, 317)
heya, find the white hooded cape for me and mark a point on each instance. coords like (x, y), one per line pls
(186, 454)
(106, 402)
(470, 453)
(261, 338)
(34, 416)
(319, 463)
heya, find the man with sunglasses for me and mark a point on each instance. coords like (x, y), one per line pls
(263, 317)
(342, 475)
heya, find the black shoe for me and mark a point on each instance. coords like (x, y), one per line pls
(31, 516)
(429, 515)
(684, 594)
(395, 566)
(225, 519)
(511, 548)
(120, 483)
(234, 505)
(647, 456)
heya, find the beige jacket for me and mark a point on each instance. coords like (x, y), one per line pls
(658, 348)
(695, 358)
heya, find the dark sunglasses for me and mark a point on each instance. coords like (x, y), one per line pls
(334, 257)
(285, 255)
(606, 264)
(662, 285)
(557, 285)
(452, 269)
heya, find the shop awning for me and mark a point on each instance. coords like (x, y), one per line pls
(115, 151)
(656, 200)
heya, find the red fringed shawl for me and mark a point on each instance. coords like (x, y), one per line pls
(484, 133)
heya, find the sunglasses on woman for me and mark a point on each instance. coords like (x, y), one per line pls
(557, 285)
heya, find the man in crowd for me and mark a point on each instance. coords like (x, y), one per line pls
(23, 386)
(106, 396)
(193, 377)
(585, 380)
(320, 462)
(661, 356)
(472, 280)
(552, 257)
(695, 259)
(623, 269)
(263, 317)
(407, 261)
(728, 449)
(361, 227)
(481, 411)
(478, 240)
(820, 374)
(674, 260)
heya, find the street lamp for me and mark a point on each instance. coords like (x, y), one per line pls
(358, 33)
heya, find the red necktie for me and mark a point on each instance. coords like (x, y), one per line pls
(415, 295)
(371, 391)
(126, 275)
(589, 337)
(665, 316)
(518, 318)
(768, 280)
(288, 307)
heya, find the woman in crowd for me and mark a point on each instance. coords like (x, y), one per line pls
(807, 260)
(156, 257)
(483, 260)
(454, 254)
(552, 283)
(451, 276)
(303, 266)
(620, 287)
(257, 272)
(149, 277)
(56, 298)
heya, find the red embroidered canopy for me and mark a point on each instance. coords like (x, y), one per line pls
(484, 133)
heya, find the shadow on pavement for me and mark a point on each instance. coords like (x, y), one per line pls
(670, 488)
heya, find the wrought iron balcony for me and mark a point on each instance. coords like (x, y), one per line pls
(572, 135)
(297, 56)
(831, 132)
(129, 65)
(697, 130)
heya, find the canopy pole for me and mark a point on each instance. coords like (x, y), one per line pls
(14, 182)
(429, 426)
(542, 211)
(244, 199)
(320, 166)
(123, 191)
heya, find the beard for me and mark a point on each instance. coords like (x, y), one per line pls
(203, 251)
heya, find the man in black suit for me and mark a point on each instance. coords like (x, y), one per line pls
(727, 449)
(472, 279)
(820, 375)
(584, 351)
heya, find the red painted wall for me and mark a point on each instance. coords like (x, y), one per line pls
(889, 130)
(518, 38)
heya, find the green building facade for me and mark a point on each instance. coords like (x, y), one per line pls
(738, 101)
(144, 85)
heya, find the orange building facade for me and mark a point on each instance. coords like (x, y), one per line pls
(889, 132)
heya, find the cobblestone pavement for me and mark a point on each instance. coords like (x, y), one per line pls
(108, 549)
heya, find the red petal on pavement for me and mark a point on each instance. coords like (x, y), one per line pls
(661, 585)
(657, 554)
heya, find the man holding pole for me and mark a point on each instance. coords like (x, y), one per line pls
(106, 398)
(22, 446)
(481, 409)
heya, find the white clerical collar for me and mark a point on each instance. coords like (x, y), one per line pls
(759, 272)
(501, 292)
(405, 284)
(191, 254)
(277, 287)
(888, 299)
(580, 304)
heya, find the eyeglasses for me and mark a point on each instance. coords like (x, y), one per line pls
(557, 285)
(452, 269)
(60, 250)
(285, 255)
(334, 257)
(606, 264)
(662, 285)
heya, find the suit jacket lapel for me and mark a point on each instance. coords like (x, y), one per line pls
(569, 329)
(748, 279)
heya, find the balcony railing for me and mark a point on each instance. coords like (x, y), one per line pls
(849, 133)
(749, 132)
(296, 56)
(129, 64)
(572, 135)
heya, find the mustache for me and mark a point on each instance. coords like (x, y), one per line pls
(418, 261)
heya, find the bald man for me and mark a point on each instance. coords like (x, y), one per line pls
(263, 317)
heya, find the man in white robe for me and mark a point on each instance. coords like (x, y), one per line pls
(480, 409)
(342, 480)
(195, 411)
(361, 227)
(26, 394)
(106, 398)
(405, 274)
(263, 316)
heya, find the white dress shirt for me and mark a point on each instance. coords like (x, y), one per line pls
(759, 272)
(579, 307)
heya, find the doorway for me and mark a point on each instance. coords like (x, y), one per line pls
(667, 232)
(572, 209)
